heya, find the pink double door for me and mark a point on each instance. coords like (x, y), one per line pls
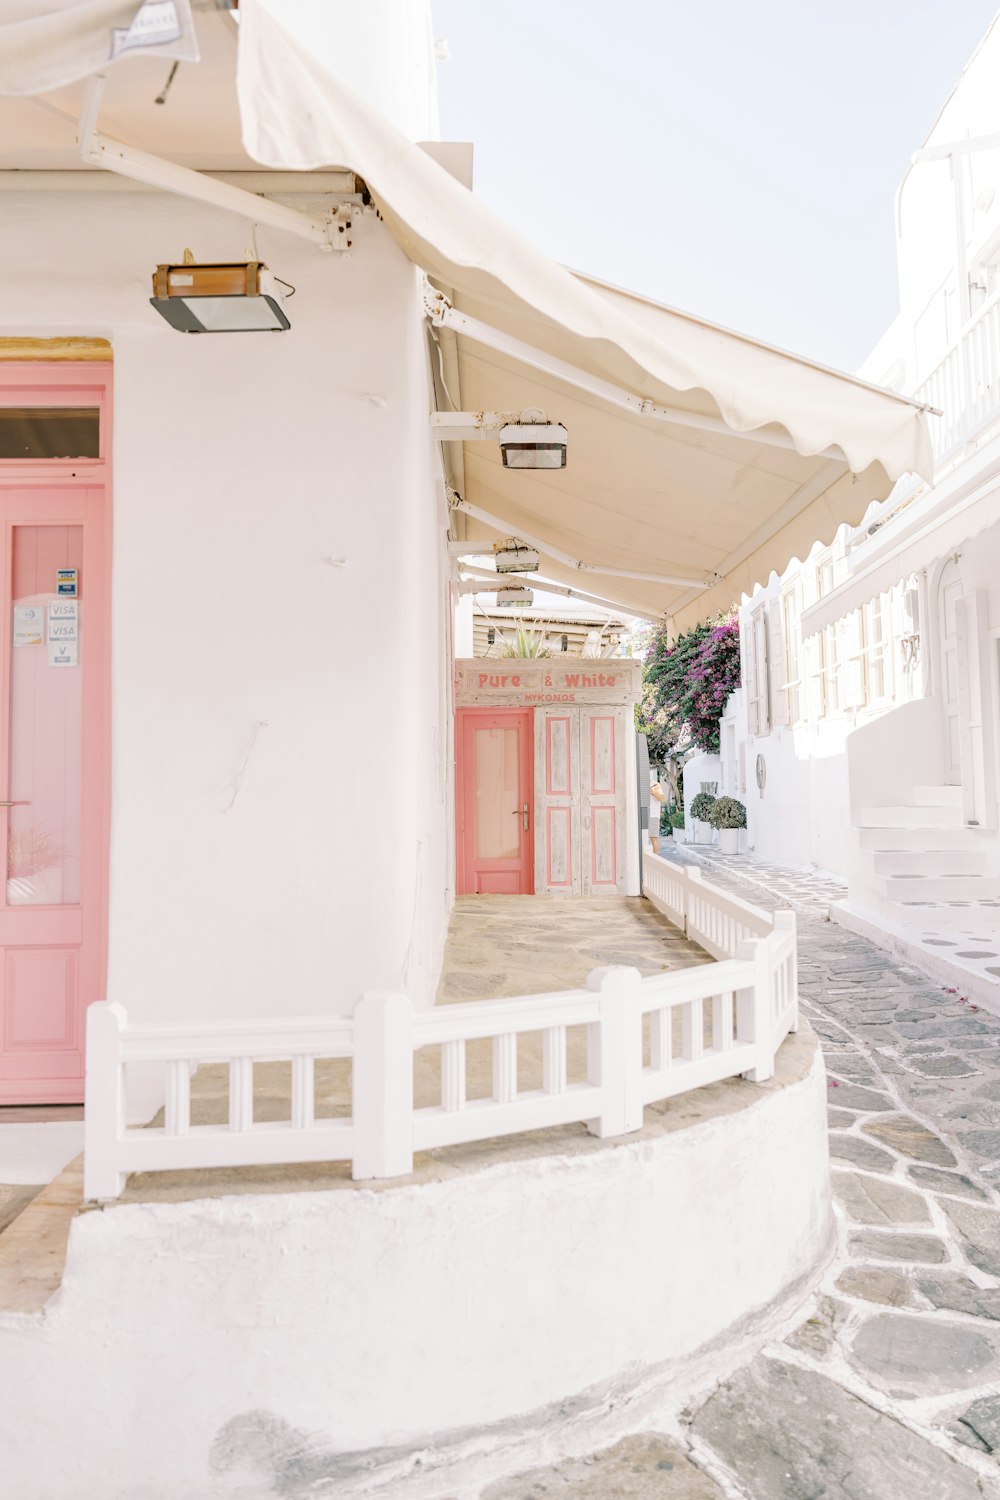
(53, 766)
(541, 800)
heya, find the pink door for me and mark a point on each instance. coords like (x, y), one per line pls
(53, 769)
(494, 802)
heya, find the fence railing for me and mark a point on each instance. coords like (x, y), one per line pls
(965, 385)
(596, 1055)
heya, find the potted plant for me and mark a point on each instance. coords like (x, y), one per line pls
(728, 815)
(701, 812)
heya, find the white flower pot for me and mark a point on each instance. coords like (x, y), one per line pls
(729, 840)
(702, 832)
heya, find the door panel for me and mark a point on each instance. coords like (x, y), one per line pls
(602, 738)
(580, 805)
(494, 780)
(557, 771)
(53, 770)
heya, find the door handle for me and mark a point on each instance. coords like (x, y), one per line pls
(15, 804)
(523, 815)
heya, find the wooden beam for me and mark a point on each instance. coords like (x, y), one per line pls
(81, 349)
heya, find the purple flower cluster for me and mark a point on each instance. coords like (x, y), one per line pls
(689, 680)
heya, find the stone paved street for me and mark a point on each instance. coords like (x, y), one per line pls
(889, 1388)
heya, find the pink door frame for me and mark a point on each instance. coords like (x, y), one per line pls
(76, 492)
(468, 871)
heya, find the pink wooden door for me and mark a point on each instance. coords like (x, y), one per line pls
(495, 851)
(602, 774)
(53, 763)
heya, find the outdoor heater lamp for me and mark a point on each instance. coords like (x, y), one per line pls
(237, 297)
(533, 445)
(515, 597)
(514, 557)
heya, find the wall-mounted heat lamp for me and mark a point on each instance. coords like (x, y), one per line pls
(513, 556)
(516, 598)
(528, 440)
(532, 442)
(241, 297)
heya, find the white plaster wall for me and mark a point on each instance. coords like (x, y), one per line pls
(241, 465)
(360, 1318)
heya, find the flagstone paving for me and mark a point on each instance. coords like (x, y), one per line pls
(889, 1388)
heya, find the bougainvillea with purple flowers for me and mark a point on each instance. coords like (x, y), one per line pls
(687, 681)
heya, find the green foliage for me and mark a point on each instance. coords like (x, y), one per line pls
(687, 681)
(728, 812)
(527, 644)
(702, 806)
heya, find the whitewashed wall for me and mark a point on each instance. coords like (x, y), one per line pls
(242, 464)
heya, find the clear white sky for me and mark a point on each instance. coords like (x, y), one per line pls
(734, 158)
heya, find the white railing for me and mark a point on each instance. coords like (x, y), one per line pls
(965, 385)
(712, 918)
(637, 1041)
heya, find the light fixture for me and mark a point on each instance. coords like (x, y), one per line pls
(528, 440)
(236, 297)
(513, 556)
(516, 598)
(532, 442)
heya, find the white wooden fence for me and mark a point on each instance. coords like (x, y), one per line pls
(646, 1040)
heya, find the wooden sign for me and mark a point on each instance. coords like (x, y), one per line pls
(547, 680)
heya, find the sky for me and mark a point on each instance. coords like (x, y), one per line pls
(736, 159)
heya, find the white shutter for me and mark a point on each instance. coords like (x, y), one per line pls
(779, 672)
(759, 643)
(750, 675)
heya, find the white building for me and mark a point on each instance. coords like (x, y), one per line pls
(871, 691)
(196, 525)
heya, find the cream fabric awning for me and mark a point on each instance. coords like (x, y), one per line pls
(639, 494)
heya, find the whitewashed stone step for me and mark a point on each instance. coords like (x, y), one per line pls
(930, 862)
(885, 839)
(911, 817)
(942, 887)
(937, 796)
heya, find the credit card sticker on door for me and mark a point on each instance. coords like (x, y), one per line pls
(67, 582)
(63, 634)
(29, 624)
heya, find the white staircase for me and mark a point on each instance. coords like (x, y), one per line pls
(917, 858)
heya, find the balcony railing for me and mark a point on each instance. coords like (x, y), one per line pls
(965, 386)
(646, 1040)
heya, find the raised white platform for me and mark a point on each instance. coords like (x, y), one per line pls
(495, 1295)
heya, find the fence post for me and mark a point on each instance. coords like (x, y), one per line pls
(614, 1050)
(382, 1086)
(754, 1009)
(104, 1096)
(785, 921)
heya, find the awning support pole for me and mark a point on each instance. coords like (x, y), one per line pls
(442, 315)
(154, 171)
(547, 548)
(534, 582)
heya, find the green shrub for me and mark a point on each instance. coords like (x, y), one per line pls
(701, 807)
(728, 812)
